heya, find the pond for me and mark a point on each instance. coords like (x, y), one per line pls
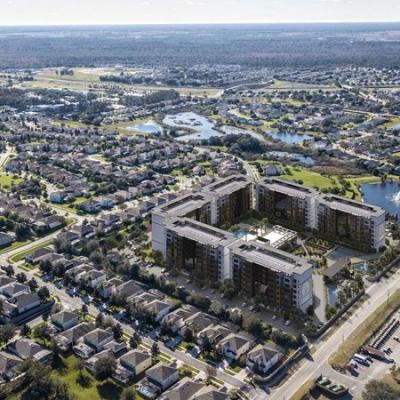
(289, 138)
(284, 155)
(202, 127)
(150, 127)
(385, 195)
(333, 291)
(361, 267)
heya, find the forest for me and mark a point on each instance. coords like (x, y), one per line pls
(273, 45)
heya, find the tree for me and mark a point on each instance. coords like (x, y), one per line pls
(99, 320)
(155, 350)
(134, 340)
(84, 310)
(128, 393)
(188, 335)
(25, 330)
(104, 368)
(21, 277)
(33, 285)
(206, 345)
(228, 289)
(377, 390)
(43, 293)
(42, 331)
(7, 332)
(118, 332)
(9, 270)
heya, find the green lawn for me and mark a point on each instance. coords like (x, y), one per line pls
(315, 179)
(7, 180)
(350, 346)
(66, 370)
(310, 178)
(19, 256)
(14, 246)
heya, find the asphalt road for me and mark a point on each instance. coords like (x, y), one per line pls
(312, 368)
(75, 303)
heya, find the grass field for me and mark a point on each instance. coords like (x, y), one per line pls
(393, 379)
(392, 123)
(89, 78)
(315, 179)
(362, 333)
(310, 178)
(66, 370)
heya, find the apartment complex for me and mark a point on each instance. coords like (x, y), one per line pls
(287, 203)
(199, 249)
(350, 222)
(334, 218)
(277, 278)
(186, 232)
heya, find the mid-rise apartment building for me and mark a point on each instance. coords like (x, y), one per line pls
(275, 277)
(224, 201)
(232, 198)
(350, 222)
(199, 249)
(334, 218)
(196, 206)
(287, 203)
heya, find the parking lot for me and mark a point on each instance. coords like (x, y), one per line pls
(377, 369)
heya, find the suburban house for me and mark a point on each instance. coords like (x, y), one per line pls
(234, 346)
(136, 361)
(27, 348)
(68, 338)
(262, 358)
(10, 366)
(162, 375)
(187, 389)
(64, 320)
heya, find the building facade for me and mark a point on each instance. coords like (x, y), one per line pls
(200, 250)
(351, 223)
(276, 278)
(287, 203)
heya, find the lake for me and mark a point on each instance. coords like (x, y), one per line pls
(385, 195)
(204, 129)
(150, 127)
(289, 138)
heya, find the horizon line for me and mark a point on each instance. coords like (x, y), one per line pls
(98, 24)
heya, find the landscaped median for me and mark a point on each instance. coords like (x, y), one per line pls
(303, 390)
(21, 255)
(357, 339)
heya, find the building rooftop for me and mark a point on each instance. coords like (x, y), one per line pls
(228, 185)
(289, 188)
(271, 258)
(200, 232)
(183, 205)
(351, 206)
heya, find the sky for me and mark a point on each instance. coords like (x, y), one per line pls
(109, 12)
